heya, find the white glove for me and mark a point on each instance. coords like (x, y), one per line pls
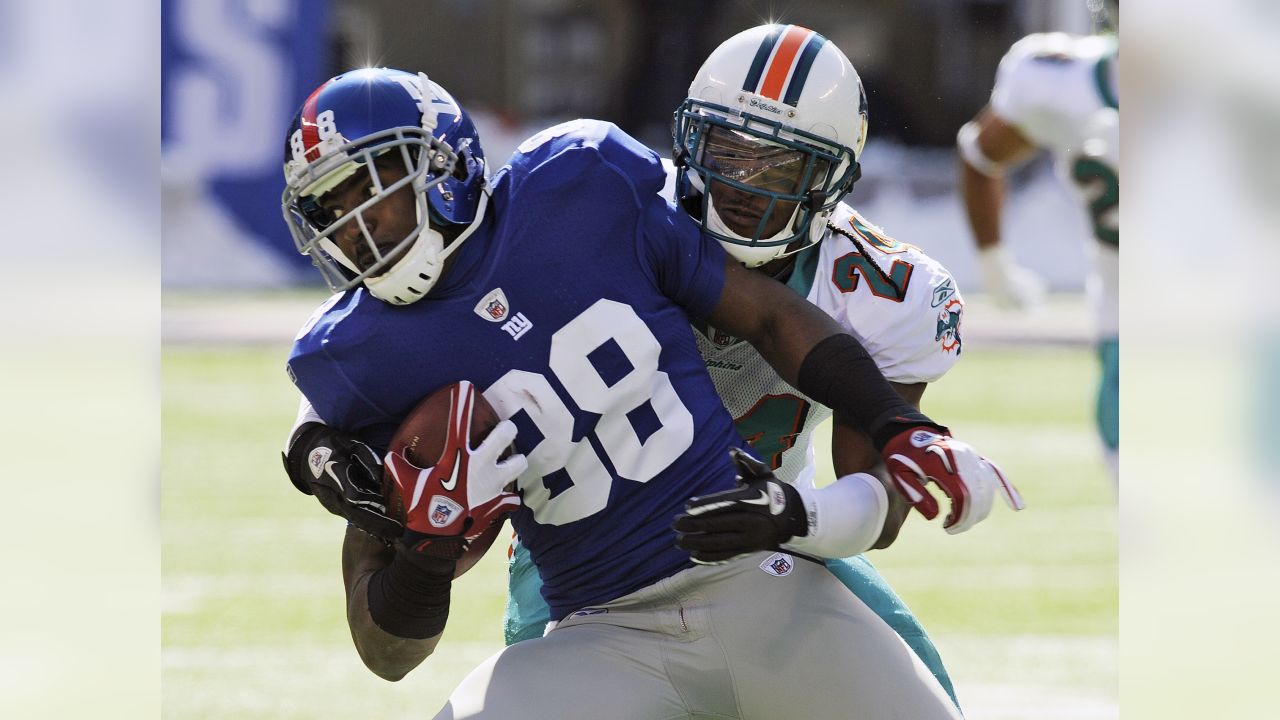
(1010, 284)
(919, 455)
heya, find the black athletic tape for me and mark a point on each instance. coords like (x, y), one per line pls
(839, 373)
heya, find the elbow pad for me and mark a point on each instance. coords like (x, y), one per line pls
(845, 517)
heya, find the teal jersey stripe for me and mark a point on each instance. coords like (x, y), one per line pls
(806, 265)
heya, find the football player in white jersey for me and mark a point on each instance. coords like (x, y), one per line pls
(1059, 92)
(771, 194)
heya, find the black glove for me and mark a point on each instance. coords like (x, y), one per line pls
(344, 474)
(760, 514)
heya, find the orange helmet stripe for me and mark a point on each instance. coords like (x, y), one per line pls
(783, 60)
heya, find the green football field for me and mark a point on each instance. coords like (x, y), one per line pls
(1023, 607)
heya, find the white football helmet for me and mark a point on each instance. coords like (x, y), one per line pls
(768, 140)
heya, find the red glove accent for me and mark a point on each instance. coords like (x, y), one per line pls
(919, 454)
(465, 491)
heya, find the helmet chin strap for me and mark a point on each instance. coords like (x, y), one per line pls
(748, 252)
(418, 271)
(414, 274)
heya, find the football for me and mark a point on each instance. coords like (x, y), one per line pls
(421, 438)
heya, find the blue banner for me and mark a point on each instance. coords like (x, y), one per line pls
(233, 73)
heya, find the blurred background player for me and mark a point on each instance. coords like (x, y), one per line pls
(1060, 92)
(772, 196)
(385, 180)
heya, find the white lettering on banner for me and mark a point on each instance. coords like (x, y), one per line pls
(231, 101)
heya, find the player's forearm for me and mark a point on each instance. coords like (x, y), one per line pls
(845, 518)
(780, 324)
(983, 201)
(852, 452)
(387, 655)
(896, 515)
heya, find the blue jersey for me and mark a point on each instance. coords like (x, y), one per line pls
(570, 306)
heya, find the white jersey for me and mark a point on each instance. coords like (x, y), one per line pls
(901, 304)
(1060, 91)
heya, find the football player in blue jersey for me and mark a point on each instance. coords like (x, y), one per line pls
(564, 288)
(740, 175)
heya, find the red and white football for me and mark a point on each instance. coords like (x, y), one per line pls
(421, 438)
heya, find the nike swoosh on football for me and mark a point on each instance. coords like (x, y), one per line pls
(328, 468)
(452, 482)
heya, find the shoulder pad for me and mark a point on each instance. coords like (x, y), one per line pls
(852, 224)
(554, 152)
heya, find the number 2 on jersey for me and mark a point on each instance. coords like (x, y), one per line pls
(643, 391)
(1102, 183)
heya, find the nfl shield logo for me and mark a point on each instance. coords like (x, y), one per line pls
(493, 306)
(440, 515)
(722, 339)
(443, 511)
(778, 565)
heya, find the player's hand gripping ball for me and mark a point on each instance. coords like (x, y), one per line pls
(448, 470)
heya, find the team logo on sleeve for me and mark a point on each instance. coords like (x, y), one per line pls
(494, 306)
(948, 331)
(778, 565)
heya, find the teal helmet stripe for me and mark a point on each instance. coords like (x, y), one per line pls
(1102, 77)
(801, 71)
(752, 82)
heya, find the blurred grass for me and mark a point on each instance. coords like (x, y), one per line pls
(1023, 607)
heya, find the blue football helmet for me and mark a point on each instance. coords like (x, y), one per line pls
(346, 124)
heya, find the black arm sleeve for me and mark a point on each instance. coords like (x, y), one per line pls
(839, 373)
(410, 597)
